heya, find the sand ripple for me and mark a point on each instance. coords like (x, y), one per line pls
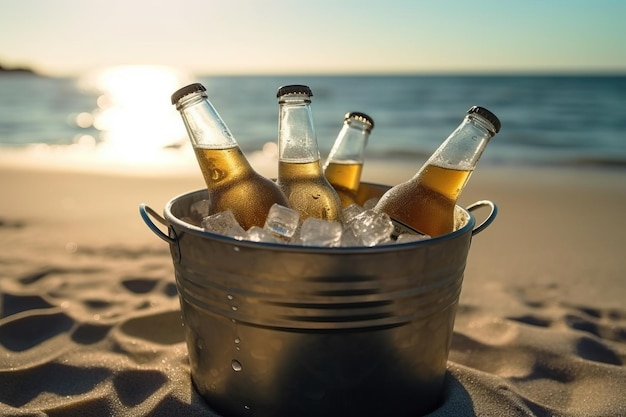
(102, 335)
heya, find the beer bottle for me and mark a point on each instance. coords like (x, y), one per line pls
(344, 164)
(300, 174)
(426, 202)
(231, 181)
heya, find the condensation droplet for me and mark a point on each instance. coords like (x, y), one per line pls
(236, 365)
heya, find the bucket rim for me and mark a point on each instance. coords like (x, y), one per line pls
(178, 225)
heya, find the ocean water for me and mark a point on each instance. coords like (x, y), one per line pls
(554, 120)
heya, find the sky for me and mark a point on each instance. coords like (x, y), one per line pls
(204, 37)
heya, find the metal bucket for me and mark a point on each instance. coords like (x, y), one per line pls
(275, 330)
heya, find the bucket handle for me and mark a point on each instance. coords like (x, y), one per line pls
(146, 213)
(490, 218)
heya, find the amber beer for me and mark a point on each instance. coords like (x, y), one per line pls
(433, 212)
(344, 164)
(232, 183)
(308, 191)
(234, 186)
(300, 174)
(345, 177)
(426, 202)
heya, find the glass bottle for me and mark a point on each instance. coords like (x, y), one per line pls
(426, 202)
(344, 164)
(300, 173)
(231, 181)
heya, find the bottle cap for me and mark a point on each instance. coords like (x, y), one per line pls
(190, 89)
(362, 117)
(294, 89)
(487, 115)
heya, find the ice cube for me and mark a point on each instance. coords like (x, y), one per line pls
(296, 238)
(224, 223)
(282, 221)
(199, 210)
(372, 227)
(349, 239)
(317, 232)
(259, 234)
(370, 204)
(411, 237)
(350, 212)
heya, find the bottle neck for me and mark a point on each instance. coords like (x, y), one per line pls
(350, 143)
(297, 141)
(205, 127)
(465, 145)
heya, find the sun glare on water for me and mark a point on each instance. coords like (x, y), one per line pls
(138, 126)
(132, 127)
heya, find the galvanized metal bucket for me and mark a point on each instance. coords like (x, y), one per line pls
(275, 330)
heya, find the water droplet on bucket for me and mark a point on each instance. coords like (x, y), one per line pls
(230, 297)
(235, 308)
(237, 340)
(236, 365)
(247, 407)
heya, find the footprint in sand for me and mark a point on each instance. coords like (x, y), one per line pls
(162, 328)
(135, 386)
(12, 224)
(23, 331)
(602, 327)
(12, 303)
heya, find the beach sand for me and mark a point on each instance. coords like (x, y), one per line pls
(90, 320)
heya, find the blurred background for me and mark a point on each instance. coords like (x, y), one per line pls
(86, 85)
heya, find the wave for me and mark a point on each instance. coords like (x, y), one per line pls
(180, 160)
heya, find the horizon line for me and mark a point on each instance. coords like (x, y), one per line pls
(423, 73)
